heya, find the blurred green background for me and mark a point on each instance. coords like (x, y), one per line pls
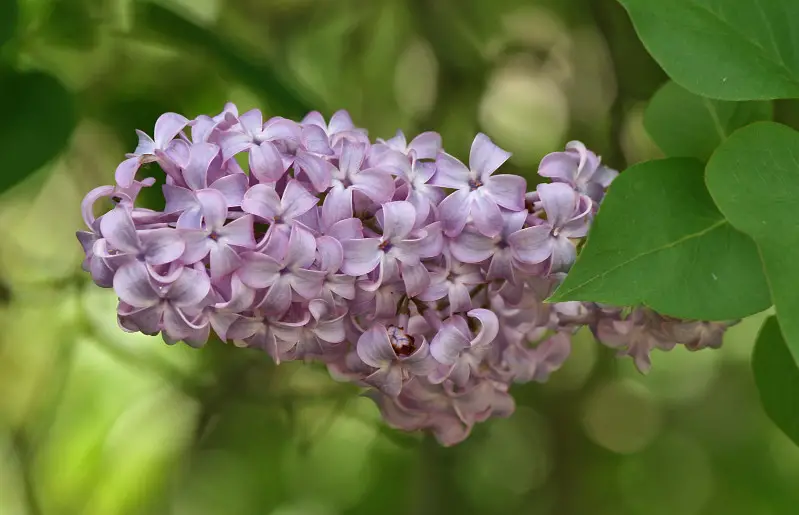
(98, 422)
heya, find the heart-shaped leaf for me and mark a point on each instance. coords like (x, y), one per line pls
(754, 179)
(729, 50)
(777, 378)
(659, 240)
(687, 125)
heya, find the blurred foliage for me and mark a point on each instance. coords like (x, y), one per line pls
(96, 421)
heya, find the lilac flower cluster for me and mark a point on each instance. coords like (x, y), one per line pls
(393, 263)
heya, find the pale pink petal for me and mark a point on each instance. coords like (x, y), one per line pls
(239, 232)
(233, 187)
(266, 162)
(301, 251)
(427, 145)
(506, 190)
(117, 227)
(560, 202)
(375, 184)
(489, 326)
(263, 201)
(126, 171)
(485, 157)
(318, 170)
(200, 157)
(132, 285)
(398, 220)
(388, 380)
(315, 139)
(145, 146)
(374, 347)
(87, 205)
(331, 254)
(233, 143)
(416, 278)
(189, 289)
(472, 247)
(360, 256)
(259, 270)
(167, 127)
(161, 246)
(337, 205)
(454, 210)
(214, 208)
(224, 261)
(486, 215)
(307, 283)
(532, 245)
(450, 173)
(448, 344)
(297, 200)
(339, 122)
(278, 298)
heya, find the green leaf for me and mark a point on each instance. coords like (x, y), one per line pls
(777, 378)
(8, 20)
(260, 77)
(729, 50)
(754, 179)
(659, 240)
(686, 125)
(38, 120)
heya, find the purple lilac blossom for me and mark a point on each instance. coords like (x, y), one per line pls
(394, 264)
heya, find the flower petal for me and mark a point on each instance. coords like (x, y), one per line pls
(258, 270)
(224, 260)
(339, 122)
(374, 347)
(278, 298)
(485, 157)
(307, 283)
(486, 215)
(239, 232)
(489, 326)
(450, 173)
(297, 200)
(448, 344)
(532, 245)
(266, 162)
(263, 201)
(167, 127)
(472, 247)
(375, 184)
(560, 202)
(506, 190)
(337, 205)
(360, 256)
(319, 171)
(126, 171)
(315, 139)
(200, 157)
(117, 227)
(331, 254)
(189, 289)
(301, 251)
(426, 145)
(214, 208)
(454, 210)
(87, 205)
(132, 285)
(416, 278)
(162, 246)
(398, 220)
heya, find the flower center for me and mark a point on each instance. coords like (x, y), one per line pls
(385, 245)
(474, 184)
(402, 343)
(214, 235)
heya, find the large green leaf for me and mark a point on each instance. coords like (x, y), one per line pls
(754, 179)
(687, 125)
(659, 240)
(724, 49)
(777, 378)
(8, 19)
(38, 120)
